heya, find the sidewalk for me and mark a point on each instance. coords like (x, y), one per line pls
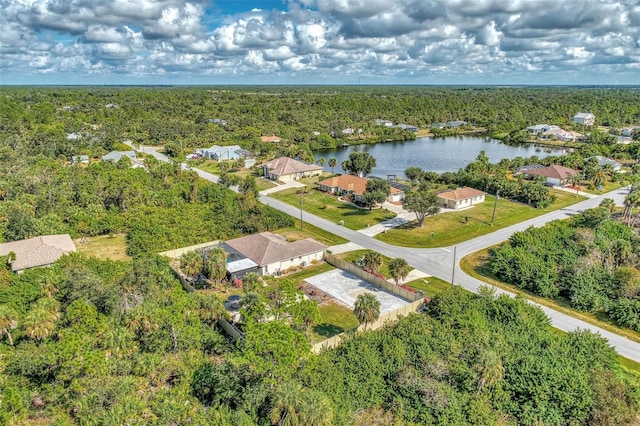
(573, 191)
(282, 187)
(403, 216)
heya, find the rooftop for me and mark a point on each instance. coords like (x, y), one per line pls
(265, 248)
(285, 166)
(38, 251)
(355, 184)
(555, 171)
(461, 194)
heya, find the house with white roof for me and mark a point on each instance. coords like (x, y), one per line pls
(584, 118)
(221, 153)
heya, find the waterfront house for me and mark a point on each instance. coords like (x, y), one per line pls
(460, 198)
(555, 174)
(286, 169)
(354, 186)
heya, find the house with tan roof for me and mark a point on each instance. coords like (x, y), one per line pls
(555, 174)
(273, 253)
(354, 186)
(272, 138)
(287, 169)
(38, 251)
(460, 198)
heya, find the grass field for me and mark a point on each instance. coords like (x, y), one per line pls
(329, 207)
(454, 227)
(105, 247)
(607, 187)
(334, 319)
(310, 231)
(476, 265)
(430, 286)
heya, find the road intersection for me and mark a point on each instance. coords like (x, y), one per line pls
(440, 262)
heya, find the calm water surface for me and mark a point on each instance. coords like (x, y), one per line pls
(439, 155)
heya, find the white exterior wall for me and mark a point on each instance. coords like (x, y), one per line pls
(272, 268)
(396, 197)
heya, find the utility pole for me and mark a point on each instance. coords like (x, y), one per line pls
(453, 267)
(493, 215)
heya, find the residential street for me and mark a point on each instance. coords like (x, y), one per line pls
(439, 262)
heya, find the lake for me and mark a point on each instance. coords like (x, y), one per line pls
(448, 154)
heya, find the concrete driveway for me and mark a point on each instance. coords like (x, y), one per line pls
(346, 287)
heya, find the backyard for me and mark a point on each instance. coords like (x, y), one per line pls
(450, 228)
(329, 207)
(112, 247)
(428, 285)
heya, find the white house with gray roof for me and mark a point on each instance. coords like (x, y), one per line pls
(115, 156)
(584, 118)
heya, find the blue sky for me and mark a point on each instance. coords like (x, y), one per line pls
(320, 42)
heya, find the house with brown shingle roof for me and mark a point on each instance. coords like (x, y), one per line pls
(555, 174)
(287, 169)
(354, 186)
(272, 138)
(38, 251)
(273, 253)
(460, 198)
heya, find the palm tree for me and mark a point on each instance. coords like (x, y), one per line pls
(332, 163)
(490, 369)
(8, 322)
(372, 260)
(216, 264)
(399, 269)
(321, 161)
(345, 166)
(251, 282)
(191, 264)
(287, 404)
(609, 204)
(367, 308)
(38, 323)
(295, 406)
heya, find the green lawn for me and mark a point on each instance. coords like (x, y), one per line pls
(607, 187)
(357, 254)
(334, 319)
(310, 231)
(430, 286)
(329, 207)
(309, 271)
(105, 247)
(454, 227)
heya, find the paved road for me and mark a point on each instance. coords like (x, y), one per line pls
(440, 262)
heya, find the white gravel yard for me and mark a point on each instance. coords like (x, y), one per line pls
(346, 287)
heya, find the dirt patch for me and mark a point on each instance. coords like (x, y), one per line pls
(317, 295)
